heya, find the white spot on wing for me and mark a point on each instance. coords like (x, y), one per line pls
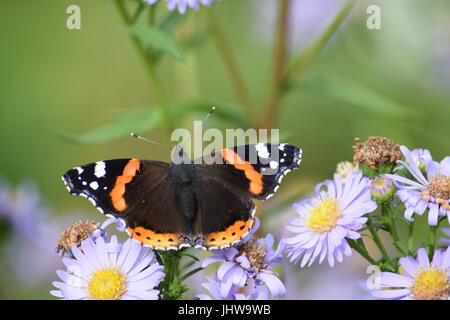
(79, 169)
(273, 164)
(100, 169)
(262, 150)
(94, 185)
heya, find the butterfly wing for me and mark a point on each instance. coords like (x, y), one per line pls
(225, 183)
(256, 170)
(138, 192)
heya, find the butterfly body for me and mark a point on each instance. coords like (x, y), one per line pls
(200, 204)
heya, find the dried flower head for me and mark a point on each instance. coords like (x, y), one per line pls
(376, 152)
(73, 236)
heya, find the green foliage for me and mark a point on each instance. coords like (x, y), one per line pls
(172, 287)
(139, 120)
(156, 39)
(356, 94)
(382, 168)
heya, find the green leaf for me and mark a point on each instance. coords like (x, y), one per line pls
(156, 39)
(359, 95)
(401, 247)
(191, 256)
(387, 266)
(191, 273)
(172, 20)
(139, 120)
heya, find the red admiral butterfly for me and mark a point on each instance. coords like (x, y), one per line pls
(203, 204)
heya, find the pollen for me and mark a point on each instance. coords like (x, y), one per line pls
(107, 284)
(324, 215)
(431, 284)
(438, 188)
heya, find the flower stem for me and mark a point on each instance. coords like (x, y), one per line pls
(387, 212)
(432, 240)
(362, 251)
(377, 240)
(279, 67)
(172, 287)
(226, 53)
(410, 237)
(302, 61)
(154, 81)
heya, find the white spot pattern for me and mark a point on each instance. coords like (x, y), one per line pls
(100, 169)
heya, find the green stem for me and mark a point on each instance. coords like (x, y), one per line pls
(410, 237)
(432, 240)
(377, 240)
(171, 287)
(230, 63)
(302, 61)
(390, 215)
(279, 67)
(138, 12)
(362, 251)
(154, 81)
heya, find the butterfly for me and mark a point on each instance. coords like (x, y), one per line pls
(206, 203)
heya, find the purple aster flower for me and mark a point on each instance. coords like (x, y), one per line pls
(446, 240)
(431, 192)
(252, 259)
(109, 271)
(22, 210)
(327, 218)
(419, 279)
(250, 292)
(182, 5)
(307, 19)
(27, 222)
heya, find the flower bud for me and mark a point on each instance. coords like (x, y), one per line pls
(382, 189)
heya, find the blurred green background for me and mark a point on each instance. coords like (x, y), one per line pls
(393, 82)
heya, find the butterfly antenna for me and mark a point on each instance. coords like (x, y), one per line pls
(134, 135)
(209, 114)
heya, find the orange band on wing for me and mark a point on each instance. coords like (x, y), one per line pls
(117, 193)
(156, 240)
(233, 233)
(256, 183)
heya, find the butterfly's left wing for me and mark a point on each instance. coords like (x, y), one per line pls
(227, 181)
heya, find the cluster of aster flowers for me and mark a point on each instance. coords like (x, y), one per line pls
(384, 183)
(98, 269)
(246, 271)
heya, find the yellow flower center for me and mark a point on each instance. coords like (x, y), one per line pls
(324, 215)
(431, 284)
(107, 284)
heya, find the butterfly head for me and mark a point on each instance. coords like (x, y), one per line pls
(179, 156)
